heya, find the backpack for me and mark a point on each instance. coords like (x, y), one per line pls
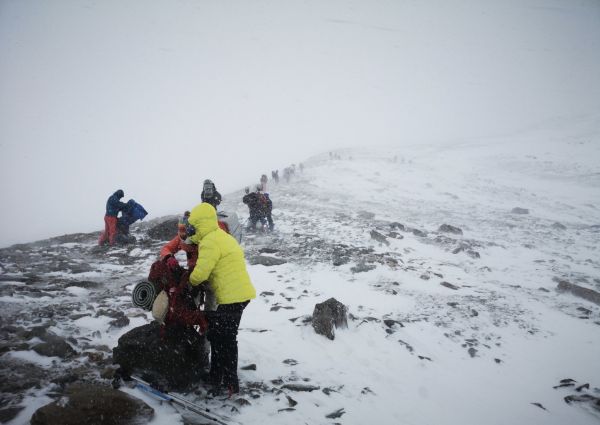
(232, 224)
(262, 201)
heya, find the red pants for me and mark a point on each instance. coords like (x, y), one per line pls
(110, 231)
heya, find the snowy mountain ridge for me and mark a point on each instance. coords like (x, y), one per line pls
(447, 258)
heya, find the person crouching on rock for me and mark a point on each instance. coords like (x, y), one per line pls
(221, 262)
(179, 310)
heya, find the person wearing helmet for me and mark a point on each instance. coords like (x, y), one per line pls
(209, 193)
(113, 206)
(221, 263)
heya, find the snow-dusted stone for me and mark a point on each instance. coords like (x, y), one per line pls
(397, 226)
(518, 210)
(174, 361)
(580, 291)
(419, 233)
(559, 226)
(300, 387)
(362, 267)
(375, 235)
(366, 215)
(266, 260)
(55, 346)
(165, 230)
(329, 315)
(446, 228)
(87, 403)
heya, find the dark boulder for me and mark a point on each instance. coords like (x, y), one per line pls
(55, 346)
(93, 404)
(446, 228)
(175, 361)
(266, 260)
(329, 315)
(518, 210)
(165, 230)
(379, 237)
(579, 291)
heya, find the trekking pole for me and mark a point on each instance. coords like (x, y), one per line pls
(188, 405)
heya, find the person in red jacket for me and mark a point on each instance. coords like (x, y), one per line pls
(181, 311)
(178, 244)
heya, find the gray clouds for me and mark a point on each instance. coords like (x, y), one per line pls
(153, 97)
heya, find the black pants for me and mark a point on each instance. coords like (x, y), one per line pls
(223, 327)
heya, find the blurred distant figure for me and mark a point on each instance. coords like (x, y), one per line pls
(113, 206)
(275, 175)
(210, 194)
(263, 182)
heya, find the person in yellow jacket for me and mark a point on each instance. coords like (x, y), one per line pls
(221, 262)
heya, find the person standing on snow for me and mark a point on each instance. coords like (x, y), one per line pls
(221, 262)
(268, 209)
(209, 193)
(113, 206)
(257, 211)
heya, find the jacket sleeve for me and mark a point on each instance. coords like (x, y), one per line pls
(208, 255)
(172, 247)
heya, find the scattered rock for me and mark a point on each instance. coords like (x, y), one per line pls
(419, 233)
(579, 291)
(300, 387)
(559, 226)
(472, 352)
(446, 228)
(362, 267)
(449, 285)
(266, 260)
(539, 405)
(249, 367)
(337, 414)
(290, 362)
(391, 322)
(398, 226)
(9, 413)
(55, 346)
(366, 215)
(329, 315)
(518, 210)
(86, 403)
(291, 401)
(375, 235)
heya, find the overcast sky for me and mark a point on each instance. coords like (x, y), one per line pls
(155, 96)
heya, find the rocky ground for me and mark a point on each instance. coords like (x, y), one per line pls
(427, 289)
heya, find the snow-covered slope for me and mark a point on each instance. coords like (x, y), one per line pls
(444, 328)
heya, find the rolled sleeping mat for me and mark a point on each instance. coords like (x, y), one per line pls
(144, 294)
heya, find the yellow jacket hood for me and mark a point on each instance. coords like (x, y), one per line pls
(204, 219)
